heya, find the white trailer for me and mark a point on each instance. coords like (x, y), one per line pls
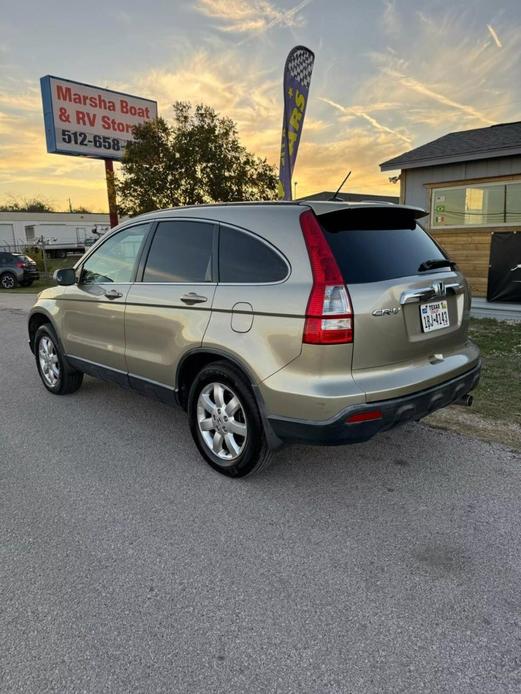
(7, 235)
(60, 239)
(62, 232)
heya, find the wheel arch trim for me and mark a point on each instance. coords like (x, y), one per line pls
(217, 352)
(274, 441)
(39, 311)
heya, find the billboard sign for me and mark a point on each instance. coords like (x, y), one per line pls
(83, 120)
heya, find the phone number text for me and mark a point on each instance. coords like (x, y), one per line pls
(85, 140)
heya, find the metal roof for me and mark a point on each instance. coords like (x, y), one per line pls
(499, 140)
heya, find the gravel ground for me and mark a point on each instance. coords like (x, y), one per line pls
(128, 565)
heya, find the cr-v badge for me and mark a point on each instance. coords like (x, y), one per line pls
(386, 311)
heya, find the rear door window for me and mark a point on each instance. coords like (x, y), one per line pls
(244, 259)
(371, 251)
(181, 251)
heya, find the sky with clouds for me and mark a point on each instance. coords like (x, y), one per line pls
(389, 75)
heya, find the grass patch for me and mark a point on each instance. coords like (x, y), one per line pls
(499, 393)
(52, 263)
(496, 412)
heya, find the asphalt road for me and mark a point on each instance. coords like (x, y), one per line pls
(128, 565)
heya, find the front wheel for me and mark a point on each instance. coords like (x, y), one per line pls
(57, 376)
(225, 422)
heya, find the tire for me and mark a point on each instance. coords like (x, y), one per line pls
(8, 281)
(57, 376)
(219, 439)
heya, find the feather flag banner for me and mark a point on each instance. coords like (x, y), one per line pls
(297, 78)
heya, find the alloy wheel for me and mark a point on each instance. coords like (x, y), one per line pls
(8, 281)
(222, 422)
(49, 363)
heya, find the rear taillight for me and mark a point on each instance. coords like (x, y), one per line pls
(20, 264)
(329, 315)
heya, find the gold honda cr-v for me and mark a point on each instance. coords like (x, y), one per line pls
(316, 322)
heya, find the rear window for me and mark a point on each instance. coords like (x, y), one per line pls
(374, 252)
(244, 259)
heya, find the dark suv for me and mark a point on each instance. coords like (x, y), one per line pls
(17, 269)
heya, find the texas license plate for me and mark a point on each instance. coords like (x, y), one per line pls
(434, 316)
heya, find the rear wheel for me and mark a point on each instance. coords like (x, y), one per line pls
(57, 376)
(8, 281)
(225, 421)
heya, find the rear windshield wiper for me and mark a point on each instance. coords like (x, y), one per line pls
(433, 264)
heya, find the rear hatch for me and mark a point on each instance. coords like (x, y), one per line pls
(410, 303)
(25, 262)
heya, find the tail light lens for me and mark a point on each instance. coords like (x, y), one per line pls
(20, 264)
(329, 315)
(367, 416)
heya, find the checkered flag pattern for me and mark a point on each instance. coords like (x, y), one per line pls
(300, 66)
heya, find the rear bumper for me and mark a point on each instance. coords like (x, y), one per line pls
(393, 413)
(30, 275)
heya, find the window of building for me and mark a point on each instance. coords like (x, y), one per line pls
(486, 204)
(513, 203)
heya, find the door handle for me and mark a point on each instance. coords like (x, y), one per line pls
(414, 296)
(193, 298)
(456, 288)
(113, 294)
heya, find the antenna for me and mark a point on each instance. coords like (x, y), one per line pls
(340, 186)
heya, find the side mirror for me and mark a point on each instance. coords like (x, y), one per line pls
(65, 276)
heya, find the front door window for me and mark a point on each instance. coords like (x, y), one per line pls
(115, 260)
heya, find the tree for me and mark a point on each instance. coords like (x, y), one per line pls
(26, 205)
(196, 159)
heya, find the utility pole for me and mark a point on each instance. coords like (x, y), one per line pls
(111, 192)
(41, 243)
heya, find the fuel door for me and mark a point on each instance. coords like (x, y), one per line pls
(242, 317)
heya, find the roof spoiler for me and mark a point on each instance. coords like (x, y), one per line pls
(380, 216)
(323, 207)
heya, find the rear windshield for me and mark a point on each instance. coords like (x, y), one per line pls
(368, 254)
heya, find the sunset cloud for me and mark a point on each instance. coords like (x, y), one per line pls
(494, 35)
(244, 16)
(356, 111)
(425, 90)
(429, 72)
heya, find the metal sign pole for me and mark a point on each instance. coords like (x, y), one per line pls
(44, 257)
(111, 192)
